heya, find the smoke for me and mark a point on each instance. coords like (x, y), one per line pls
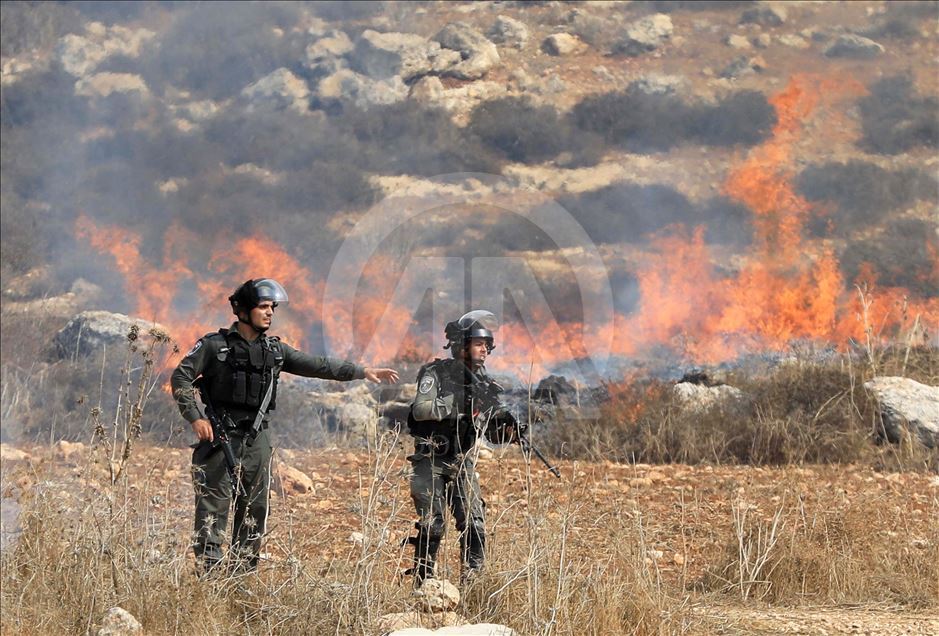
(857, 194)
(904, 255)
(642, 122)
(629, 212)
(895, 119)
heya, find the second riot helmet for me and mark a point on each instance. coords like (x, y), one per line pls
(478, 323)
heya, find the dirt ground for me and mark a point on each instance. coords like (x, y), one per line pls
(685, 512)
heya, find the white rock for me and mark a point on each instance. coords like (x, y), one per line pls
(347, 85)
(645, 35)
(906, 404)
(477, 53)
(383, 56)
(332, 44)
(81, 54)
(765, 14)
(737, 41)
(279, 89)
(428, 89)
(12, 454)
(793, 40)
(698, 397)
(509, 32)
(91, 331)
(562, 44)
(854, 46)
(437, 595)
(119, 622)
(659, 84)
(104, 84)
(762, 41)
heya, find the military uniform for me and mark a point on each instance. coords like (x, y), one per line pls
(445, 430)
(236, 374)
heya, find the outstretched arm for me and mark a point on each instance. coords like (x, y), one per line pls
(381, 375)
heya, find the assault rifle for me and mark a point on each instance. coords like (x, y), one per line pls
(220, 440)
(485, 392)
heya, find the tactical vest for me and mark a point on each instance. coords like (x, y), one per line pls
(241, 378)
(458, 433)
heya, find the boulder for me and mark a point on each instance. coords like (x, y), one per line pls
(383, 56)
(279, 89)
(762, 41)
(363, 92)
(291, 481)
(743, 65)
(92, 331)
(562, 44)
(697, 398)
(413, 622)
(645, 35)
(907, 405)
(659, 84)
(555, 389)
(119, 622)
(12, 454)
(854, 46)
(437, 595)
(428, 90)
(509, 32)
(33, 283)
(478, 53)
(793, 40)
(105, 84)
(765, 14)
(331, 44)
(737, 41)
(81, 54)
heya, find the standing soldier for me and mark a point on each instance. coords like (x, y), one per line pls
(238, 370)
(446, 420)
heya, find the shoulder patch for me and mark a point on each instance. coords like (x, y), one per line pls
(195, 347)
(427, 383)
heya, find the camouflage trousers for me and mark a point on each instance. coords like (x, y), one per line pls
(213, 496)
(442, 485)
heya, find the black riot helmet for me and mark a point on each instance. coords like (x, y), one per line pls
(253, 292)
(478, 323)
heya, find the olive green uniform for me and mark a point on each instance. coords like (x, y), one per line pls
(444, 474)
(236, 374)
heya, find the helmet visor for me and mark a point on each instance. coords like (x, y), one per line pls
(481, 318)
(269, 289)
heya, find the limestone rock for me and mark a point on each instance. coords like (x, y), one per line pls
(854, 46)
(331, 44)
(762, 41)
(737, 41)
(509, 32)
(119, 622)
(437, 595)
(279, 89)
(743, 65)
(478, 53)
(562, 44)
(104, 84)
(68, 451)
(383, 56)
(906, 404)
(91, 331)
(291, 481)
(81, 54)
(645, 35)
(12, 454)
(659, 84)
(793, 40)
(698, 398)
(428, 89)
(363, 91)
(413, 622)
(765, 14)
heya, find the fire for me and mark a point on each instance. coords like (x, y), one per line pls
(787, 289)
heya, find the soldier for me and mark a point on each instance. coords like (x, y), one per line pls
(446, 421)
(239, 368)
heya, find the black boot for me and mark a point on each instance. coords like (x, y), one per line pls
(472, 552)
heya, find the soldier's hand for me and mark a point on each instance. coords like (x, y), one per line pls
(381, 375)
(203, 430)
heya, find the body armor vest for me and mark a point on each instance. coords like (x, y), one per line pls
(241, 378)
(459, 432)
